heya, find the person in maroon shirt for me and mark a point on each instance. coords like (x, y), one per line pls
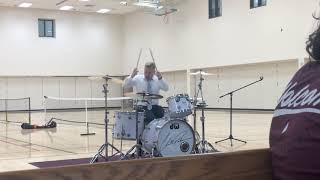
(295, 127)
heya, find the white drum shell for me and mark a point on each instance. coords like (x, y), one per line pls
(179, 106)
(126, 122)
(161, 135)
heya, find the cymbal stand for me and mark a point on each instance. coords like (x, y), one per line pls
(105, 146)
(205, 145)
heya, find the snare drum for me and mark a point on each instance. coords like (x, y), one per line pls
(168, 137)
(125, 125)
(179, 106)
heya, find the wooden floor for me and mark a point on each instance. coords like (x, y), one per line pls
(20, 147)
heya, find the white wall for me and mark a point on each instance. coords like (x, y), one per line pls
(263, 95)
(242, 35)
(85, 43)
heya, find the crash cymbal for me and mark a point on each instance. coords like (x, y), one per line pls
(202, 72)
(112, 79)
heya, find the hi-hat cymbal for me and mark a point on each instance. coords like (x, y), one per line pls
(149, 96)
(112, 79)
(144, 95)
(202, 72)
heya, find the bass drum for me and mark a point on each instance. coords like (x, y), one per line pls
(168, 137)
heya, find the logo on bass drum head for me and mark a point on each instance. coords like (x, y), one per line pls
(175, 126)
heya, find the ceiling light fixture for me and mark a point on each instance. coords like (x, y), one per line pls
(102, 11)
(146, 4)
(123, 3)
(66, 8)
(25, 5)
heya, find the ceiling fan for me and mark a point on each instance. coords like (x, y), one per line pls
(155, 7)
(142, 3)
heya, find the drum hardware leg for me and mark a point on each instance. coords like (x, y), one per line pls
(100, 153)
(197, 146)
(106, 144)
(152, 152)
(112, 141)
(194, 119)
(121, 144)
(205, 146)
(196, 149)
(125, 156)
(138, 144)
(121, 138)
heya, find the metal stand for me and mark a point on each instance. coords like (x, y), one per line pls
(138, 145)
(205, 146)
(87, 123)
(231, 95)
(105, 146)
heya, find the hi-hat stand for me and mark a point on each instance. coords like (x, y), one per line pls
(105, 146)
(205, 146)
(231, 95)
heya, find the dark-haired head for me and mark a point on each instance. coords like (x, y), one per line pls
(149, 70)
(313, 43)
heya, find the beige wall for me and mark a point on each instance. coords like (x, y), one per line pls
(242, 35)
(85, 44)
(262, 95)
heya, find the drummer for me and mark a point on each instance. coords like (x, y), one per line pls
(150, 82)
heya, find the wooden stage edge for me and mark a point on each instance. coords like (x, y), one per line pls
(240, 165)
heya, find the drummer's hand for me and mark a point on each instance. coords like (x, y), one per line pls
(159, 75)
(134, 72)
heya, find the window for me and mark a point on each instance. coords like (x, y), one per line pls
(257, 3)
(215, 8)
(46, 27)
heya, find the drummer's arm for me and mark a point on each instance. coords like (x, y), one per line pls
(129, 82)
(162, 84)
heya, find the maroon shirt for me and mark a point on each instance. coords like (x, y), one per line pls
(295, 128)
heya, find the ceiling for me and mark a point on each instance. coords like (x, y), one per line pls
(89, 6)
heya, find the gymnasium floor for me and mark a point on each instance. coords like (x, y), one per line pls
(20, 147)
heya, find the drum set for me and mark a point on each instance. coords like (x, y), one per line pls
(170, 135)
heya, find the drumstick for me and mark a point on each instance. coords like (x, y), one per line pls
(139, 58)
(153, 58)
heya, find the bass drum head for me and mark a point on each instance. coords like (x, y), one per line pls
(175, 138)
